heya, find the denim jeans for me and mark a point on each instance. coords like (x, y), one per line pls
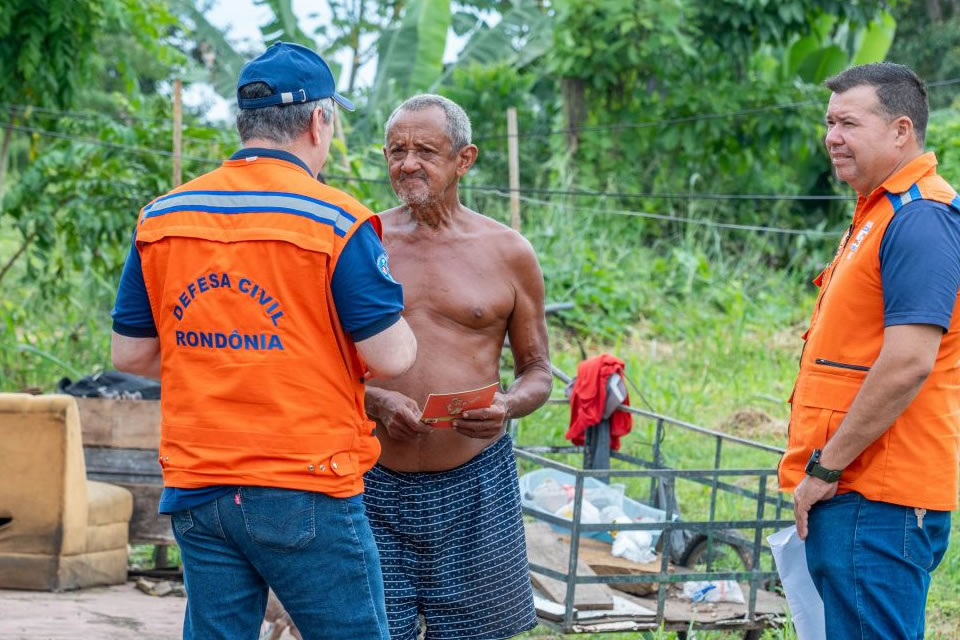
(871, 563)
(317, 553)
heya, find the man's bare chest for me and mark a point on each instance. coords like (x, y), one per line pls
(471, 290)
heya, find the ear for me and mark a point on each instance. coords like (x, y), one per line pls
(316, 121)
(465, 159)
(905, 132)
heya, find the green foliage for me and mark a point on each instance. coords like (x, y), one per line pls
(411, 53)
(46, 47)
(612, 46)
(928, 41)
(219, 63)
(740, 27)
(522, 35)
(75, 205)
(943, 138)
(824, 51)
(284, 25)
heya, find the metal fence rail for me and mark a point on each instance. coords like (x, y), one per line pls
(718, 479)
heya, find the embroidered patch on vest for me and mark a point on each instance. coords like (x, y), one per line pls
(859, 239)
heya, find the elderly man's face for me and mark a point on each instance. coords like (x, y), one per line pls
(420, 156)
(861, 139)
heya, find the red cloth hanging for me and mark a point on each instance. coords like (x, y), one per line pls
(589, 396)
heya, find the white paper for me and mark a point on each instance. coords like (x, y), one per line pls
(806, 607)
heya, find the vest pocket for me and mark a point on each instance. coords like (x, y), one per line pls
(809, 429)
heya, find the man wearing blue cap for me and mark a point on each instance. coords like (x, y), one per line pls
(262, 299)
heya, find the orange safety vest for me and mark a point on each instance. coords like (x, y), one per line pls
(914, 463)
(260, 384)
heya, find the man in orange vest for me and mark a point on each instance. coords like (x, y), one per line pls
(874, 433)
(445, 502)
(262, 298)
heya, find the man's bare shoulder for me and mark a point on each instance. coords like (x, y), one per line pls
(511, 243)
(394, 218)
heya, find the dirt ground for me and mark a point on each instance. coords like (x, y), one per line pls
(106, 613)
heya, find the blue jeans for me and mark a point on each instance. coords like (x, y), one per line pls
(317, 553)
(871, 563)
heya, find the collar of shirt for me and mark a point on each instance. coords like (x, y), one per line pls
(279, 154)
(914, 170)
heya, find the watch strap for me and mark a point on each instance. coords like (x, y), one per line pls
(815, 469)
(821, 472)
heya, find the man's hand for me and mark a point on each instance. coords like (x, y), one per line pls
(809, 492)
(399, 415)
(483, 423)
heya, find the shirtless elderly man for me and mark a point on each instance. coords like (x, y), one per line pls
(444, 503)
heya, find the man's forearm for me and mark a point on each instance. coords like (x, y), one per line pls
(530, 390)
(374, 400)
(887, 391)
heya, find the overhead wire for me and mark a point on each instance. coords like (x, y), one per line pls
(682, 119)
(671, 218)
(466, 187)
(499, 192)
(541, 133)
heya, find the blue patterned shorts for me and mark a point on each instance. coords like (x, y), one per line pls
(452, 548)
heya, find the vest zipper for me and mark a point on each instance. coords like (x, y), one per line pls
(823, 294)
(841, 365)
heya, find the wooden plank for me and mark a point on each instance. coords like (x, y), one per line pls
(513, 167)
(679, 609)
(131, 424)
(596, 554)
(123, 465)
(138, 471)
(547, 549)
(146, 525)
(177, 131)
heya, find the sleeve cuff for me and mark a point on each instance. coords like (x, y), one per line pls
(134, 332)
(374, 328)
(896, 319)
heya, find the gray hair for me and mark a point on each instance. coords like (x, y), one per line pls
(458, 123)
(279, 123)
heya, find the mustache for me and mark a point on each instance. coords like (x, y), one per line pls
(409, 176)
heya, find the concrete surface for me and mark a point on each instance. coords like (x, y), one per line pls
(104, 613)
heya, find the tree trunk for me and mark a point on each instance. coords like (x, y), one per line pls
(934, 11)
(574, 109)
(4, 152)
(356, 47)
(23, 247)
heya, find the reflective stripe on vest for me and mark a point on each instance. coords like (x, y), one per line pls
(239, 202)
(898, 200)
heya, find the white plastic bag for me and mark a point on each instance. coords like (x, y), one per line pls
(806, 606)
(588, 512)
(549, 495)
(714, 591)
(636, 546)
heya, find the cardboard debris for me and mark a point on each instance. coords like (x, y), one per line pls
(596, 554)
(545, 548)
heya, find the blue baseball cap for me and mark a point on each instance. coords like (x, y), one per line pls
(294, 72)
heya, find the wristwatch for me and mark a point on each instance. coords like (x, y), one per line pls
(814, 469)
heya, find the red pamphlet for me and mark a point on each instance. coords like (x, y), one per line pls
(441, 408)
